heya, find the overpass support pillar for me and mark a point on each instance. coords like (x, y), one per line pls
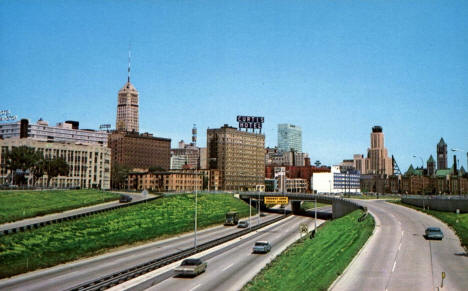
(296, 206)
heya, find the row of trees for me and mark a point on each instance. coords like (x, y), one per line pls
(23, 160)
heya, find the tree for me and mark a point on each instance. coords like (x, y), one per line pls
(55, 167)
(38, 170)
(119, 175)
(22, 158)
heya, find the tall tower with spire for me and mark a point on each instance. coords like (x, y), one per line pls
(441, 155)
(127, 106)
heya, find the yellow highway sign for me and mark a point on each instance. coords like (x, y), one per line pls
(275, 200)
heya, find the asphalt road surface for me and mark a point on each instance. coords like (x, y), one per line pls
(74, 273)
(398, 257)
(233, 266)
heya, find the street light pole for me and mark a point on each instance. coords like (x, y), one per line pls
(422, 162)
(195, 242)
(315, 227)
(258, 202)
(250, 212)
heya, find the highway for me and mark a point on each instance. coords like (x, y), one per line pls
(74, 273)
(231, 266)
(398, 257)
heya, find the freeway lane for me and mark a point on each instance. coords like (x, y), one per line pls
(234, 265)
(72, 274)
(397, 257)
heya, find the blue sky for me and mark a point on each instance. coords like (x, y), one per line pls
(335, 68)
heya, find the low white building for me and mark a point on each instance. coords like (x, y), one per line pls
(336, 182)
(89, 165)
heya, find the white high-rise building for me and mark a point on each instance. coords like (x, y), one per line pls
(289, 137)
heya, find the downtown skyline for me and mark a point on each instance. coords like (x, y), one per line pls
(334, 75)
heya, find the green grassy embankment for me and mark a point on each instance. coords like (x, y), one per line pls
(71, 240)
(17, 205)
(313, 264)
(460, 227)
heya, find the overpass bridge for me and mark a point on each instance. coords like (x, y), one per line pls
(340, 206)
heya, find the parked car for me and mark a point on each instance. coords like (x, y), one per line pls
(434, 233)
(262, 246)
(124, 198)
(262, 214)
(243, 224)
(191, 267)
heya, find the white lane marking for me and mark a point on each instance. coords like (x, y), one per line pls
(402, 232)
(227, 267)
(394, 265)
(399, 247)
(196, 286)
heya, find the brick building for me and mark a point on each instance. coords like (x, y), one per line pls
(238, 155)
(176, 180)
(139, 150)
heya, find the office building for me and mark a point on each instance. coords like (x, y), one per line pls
(67, 131)
(441, 155)
(289, 138)
(136, 150)
(238, 155)
(336, 181)
(89, 164)
(276, 157)
(127, 107)
(377, 161)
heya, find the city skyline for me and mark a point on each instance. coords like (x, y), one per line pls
(333, 78)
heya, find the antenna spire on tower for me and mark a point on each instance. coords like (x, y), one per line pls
(129, 58)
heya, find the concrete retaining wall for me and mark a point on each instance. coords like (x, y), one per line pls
(441, 204)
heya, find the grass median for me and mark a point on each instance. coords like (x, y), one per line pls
(17, 205)
(313, 264)
(450, 218)
(71, 240)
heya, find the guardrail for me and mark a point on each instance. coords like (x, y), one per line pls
(130, 273)
(71, 217)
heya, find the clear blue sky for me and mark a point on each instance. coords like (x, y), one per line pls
(335, 68)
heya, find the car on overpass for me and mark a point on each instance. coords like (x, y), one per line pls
(434, 233)
(191, 267)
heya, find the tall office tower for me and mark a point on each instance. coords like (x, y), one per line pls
(238, 155)
(127, 106)
(289, 138)
(441, 155)
(377, 161)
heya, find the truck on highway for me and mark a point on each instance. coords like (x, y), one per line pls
(232, 218)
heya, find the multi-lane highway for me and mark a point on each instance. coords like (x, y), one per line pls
(231, 266)
(398, 257)
(72, 274)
